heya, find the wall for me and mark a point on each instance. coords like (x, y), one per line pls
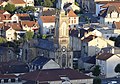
(111, 64)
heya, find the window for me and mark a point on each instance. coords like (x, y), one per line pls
(5, 80)
(12, 80)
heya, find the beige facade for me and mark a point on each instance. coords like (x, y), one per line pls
(94, 46)
(64, 55)
(110, 19)
(10, 34)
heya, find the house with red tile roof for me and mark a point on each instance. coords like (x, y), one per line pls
(110, 14)
(20, 17)
(59, 76)
(13, 32)
(30, 25)
(47, 24)
(17, 3)
(107, 63)
(73, 18)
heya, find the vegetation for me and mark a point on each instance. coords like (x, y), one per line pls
(10, 8)
(29, 35)
(96, 81)
(96, 71)
(44, 36)
(2, 40)
(117, 68)
(47, 3)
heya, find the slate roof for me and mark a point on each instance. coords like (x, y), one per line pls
(40, 60)
(13, 66)
(49, 13)
(89, 38)
(104, 56)
(54, 75)
(46, 44)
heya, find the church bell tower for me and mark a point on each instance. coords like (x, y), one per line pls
(63, 55)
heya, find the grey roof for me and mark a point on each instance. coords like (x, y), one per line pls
(46, 44)
(40, 60)
(49, 13)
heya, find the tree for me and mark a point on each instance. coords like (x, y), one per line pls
(96, 71)
(2, 40)
(117, 68)
(47, 3)
(29, 35)
(29, 8)
(10, 8)
(96, 81)
(117, 41)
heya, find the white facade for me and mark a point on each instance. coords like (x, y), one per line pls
(29, 2)
(51, 65)
(108, 66)
(110, 19)
(45, 28)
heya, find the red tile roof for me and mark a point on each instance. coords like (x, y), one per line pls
(71, 14)
(54, 75)
(15, 26)
(17, 1)
(104, 56)
(29, 23)
(48, 19)
(117, 25)
(4, 76)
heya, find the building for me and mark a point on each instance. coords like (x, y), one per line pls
(18, 3)
(20, 17)
(107, 63)
(14, 31)
(110, 14)
(57, 76)
(42, 62)
(73, 18)
(47, 24)
(29, 2)
(10, 79)
(7, 54)
(92, 45)
(30, 25)
(64, 54)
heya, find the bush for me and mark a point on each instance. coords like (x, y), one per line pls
(96, 81)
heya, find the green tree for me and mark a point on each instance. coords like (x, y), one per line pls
(29, 8)
(10, 8)
(2, 40)
(117, 68)
(29, 35)
(44, 36)
(48, 3)
(96, 71)
(96, 81)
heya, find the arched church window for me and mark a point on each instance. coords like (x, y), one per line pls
(63, 60)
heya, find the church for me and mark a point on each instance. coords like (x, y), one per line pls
(64, 52)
